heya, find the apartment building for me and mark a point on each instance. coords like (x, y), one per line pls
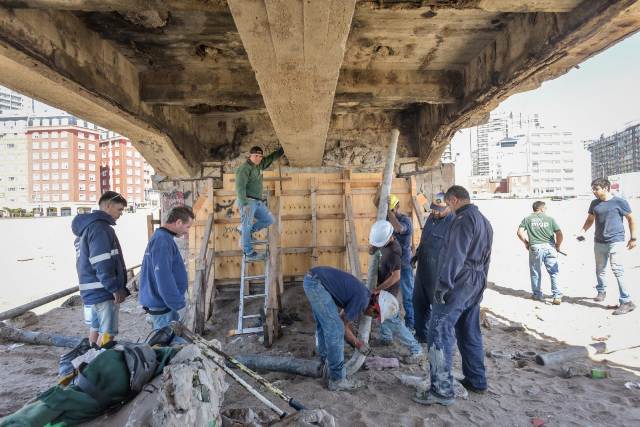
(14, 182)
(122, 168)
(10, 100)
(63, 158)
(616, 154)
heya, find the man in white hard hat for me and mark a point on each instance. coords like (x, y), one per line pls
(381, 238)
(337, 299)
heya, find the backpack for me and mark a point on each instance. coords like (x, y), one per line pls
(141, 362)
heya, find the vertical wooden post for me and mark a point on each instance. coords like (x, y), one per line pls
(271, 325)
(413, 191)
(149, 226)
(350, 228)
(200, 289)
(314, 221)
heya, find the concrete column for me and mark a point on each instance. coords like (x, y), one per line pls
(296, 49)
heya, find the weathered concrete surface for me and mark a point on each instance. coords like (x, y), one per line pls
(191, 81)
(296, 50)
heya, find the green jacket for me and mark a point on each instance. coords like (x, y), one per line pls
(249, 177)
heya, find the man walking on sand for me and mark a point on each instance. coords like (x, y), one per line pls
(542, 238)
(102, 274)
(607, 212)
(163, 277)
(455, 313)
(249, 198)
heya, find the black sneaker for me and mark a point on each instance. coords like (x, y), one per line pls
(601, 297)
(466, 384)
(624, 308)
(254, 256)
(65, 367)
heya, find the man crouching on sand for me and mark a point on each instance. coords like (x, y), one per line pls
(337, 299)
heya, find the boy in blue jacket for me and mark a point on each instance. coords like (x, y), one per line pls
(102, 274)
(163, 277)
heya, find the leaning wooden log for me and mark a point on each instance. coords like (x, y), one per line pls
(37, 338)
(289, 365)
(37, 303)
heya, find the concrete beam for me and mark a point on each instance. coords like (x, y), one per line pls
(119, 5)
(512, 6)
(53, 57)
(527, 53)
(296, 49)
(239, 88)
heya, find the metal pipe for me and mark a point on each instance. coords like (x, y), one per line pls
(181, 330)
(289, 365)
(357, 359)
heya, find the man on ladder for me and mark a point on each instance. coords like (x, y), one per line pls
(250, 200)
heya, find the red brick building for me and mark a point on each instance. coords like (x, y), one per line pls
(122, 168)
(63, 159)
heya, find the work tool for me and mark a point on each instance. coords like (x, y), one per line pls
(207, 348)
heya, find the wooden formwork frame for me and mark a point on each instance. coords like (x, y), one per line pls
(320, 219)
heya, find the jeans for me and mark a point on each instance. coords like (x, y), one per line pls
(395, 326)
(610, 252)
(423, 295)
(543, 253)
(329, 327)
(406, 285)
(102, 317)
(256, 210)
(458, 318)
(159, 321)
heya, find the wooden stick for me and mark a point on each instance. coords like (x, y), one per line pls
(9, 314)
(314, 222)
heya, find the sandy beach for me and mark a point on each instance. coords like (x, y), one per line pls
(520, 391)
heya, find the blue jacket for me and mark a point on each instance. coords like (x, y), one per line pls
(432, 240)
(464, 260)
(99, 260)
(163, 277)
(405, 238)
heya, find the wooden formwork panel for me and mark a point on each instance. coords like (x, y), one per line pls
(296, 229)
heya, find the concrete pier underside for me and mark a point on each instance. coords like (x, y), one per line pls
(193, 81)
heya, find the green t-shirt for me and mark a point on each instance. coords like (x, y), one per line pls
(540, 228)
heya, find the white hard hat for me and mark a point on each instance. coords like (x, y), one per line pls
(381, 232)
(388, 304)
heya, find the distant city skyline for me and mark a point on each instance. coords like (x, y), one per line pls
(598, 97)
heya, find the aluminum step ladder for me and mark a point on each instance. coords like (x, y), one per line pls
(253, 322)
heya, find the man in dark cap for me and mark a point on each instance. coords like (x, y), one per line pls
(254, 212)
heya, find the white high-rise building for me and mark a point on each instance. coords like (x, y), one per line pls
(516, 145)
(13, 162)
(10, 100)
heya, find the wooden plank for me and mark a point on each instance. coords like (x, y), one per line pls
(199, 281)
(314, 222)
(352, 243)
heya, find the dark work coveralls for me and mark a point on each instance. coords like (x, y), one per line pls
(432, 240)
(463, 269)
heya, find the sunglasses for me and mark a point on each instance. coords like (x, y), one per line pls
(117, 196)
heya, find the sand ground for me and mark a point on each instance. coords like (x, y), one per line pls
(518, 390)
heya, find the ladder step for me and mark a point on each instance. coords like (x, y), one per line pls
(254, 296)
(262, 258)
(259, 242)
(254, 277)
(251, 316)
(249, 330)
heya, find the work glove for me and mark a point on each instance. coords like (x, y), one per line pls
(245, 210)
